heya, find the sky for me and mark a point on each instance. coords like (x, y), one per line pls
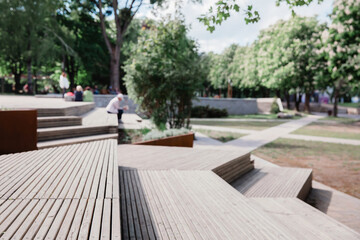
(234, 29)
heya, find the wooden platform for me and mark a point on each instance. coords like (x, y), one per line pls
(303, 220)
(275, 182)
(229, 165)
(46, 106)
(67, 192)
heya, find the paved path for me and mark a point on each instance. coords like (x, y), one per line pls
(260, 138)
(194, 120)
(224, 129)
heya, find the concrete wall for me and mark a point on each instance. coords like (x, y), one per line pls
(234, 106)
(103, 100)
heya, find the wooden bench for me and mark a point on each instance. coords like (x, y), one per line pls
(67, 192)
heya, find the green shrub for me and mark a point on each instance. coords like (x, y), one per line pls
(208, 112)
(274, 107)
(157, 134)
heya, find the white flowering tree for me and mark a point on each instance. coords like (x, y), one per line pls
(342, 47)
(283, 58)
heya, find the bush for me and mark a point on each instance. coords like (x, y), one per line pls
(208, 112)
(275, 107)
(156, 134)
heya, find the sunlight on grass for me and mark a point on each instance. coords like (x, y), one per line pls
(249, 125)
(221, 136)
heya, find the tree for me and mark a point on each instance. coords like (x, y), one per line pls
(219, 74)
(342, 47)
(164, 72)
(287, 59)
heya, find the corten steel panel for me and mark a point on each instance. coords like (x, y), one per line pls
(18, 131)
(186, 140)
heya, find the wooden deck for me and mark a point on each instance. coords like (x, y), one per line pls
(85, 191)
(69, 192)
(227, 164)
(303, 220)
(167, 204)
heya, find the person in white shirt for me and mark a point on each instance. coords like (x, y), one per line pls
(114, 106)
(64, 83)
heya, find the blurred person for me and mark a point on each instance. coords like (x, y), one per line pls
(114, 106)
(78, 93)
(96, 90)
(64, 83)
(88, 95)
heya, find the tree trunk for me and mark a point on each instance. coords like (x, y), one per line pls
(114, 71)
(29, 77)
(70, 69)
(17, 77)
(336, 100)
(307, 102)
(287, 97)
(297, 102)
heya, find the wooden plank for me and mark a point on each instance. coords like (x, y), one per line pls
(106, 220)
(84, 185)
(16, 219)
(96, 222)
(87, 218)
(58, 220)
(68, 219)
(115, 220)
(29, 220)
(47, 222)
(36, 224)
(76, 223)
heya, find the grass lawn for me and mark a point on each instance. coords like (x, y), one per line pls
(338, 120)
(355, 105)
(336, 165)
(221, 136)
(338, 129)
(261, 116)
(240, 125)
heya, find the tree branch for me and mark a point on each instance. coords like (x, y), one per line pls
(103, 27)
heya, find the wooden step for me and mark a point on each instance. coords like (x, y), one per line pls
(66, 111)
(304, 220)
(69, 141)
(47, 134)
(175, 204)
(275, 182)
(234, 169)
(60, 121)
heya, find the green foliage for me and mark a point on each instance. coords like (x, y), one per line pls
(208, 112)
(220, 71)
(163, 72)
(274, 107)
(341, 47)
(224, 8)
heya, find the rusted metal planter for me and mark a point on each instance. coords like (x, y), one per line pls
(186, 140)
(18, 130)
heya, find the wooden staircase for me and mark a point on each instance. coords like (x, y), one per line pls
(59, 129)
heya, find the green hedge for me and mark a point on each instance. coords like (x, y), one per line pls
(208, 112)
